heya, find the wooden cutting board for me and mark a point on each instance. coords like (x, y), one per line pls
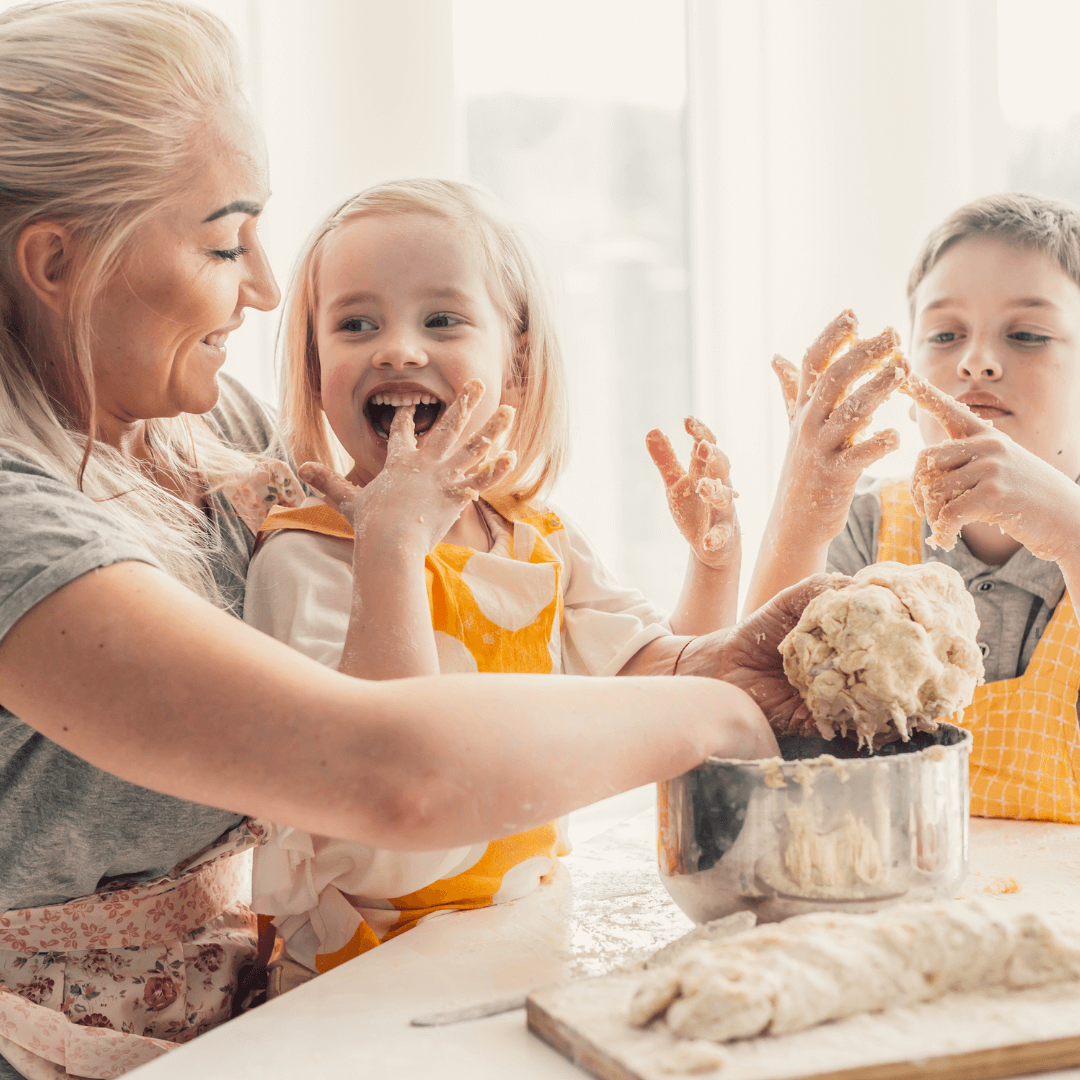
(958, 1037)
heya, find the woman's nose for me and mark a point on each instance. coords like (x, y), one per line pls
(979, 363)
(260, 289)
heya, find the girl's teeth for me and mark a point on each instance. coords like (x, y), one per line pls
(400, 400)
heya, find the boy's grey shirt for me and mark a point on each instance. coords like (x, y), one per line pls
(1014, 602)
(65, 825)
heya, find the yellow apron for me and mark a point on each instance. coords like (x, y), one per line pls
(1026, 759)
(479, 623)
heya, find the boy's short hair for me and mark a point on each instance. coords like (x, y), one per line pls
(1018, 217)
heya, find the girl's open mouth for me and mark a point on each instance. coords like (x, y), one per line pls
(381, 408)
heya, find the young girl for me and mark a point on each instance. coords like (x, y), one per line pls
(418, 332)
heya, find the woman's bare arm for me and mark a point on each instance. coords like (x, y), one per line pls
(137, 675)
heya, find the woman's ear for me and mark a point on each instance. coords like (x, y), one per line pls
(43, 254)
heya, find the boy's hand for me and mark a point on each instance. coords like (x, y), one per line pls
(701, 499)
(422, 489)
(981, 474)
(823, 460)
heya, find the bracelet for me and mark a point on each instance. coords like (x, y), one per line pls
(675, 667)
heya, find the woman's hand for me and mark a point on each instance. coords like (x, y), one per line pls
(700, 499)
(981, 474)
(823, 460)
(748, 654)
(422, 489)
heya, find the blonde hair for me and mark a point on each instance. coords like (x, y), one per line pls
(1029, 221)
(101, 102)
(518, 290)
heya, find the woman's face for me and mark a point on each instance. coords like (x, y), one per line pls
(159, 327)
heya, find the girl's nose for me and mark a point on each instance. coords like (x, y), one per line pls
(398, 353)
(979, 363)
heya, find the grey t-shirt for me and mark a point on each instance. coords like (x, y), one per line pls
(65, 825)
(1014, 602)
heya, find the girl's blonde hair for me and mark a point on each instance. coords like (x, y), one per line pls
(101, 104)
(518, 290)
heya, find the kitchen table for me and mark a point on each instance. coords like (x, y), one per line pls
(604, 908)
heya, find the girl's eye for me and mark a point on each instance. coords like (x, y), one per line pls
(231, 254)
(441, 322)
(1026, 337)
(357, 325)
(944, 337)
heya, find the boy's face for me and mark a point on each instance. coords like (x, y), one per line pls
(998, 327)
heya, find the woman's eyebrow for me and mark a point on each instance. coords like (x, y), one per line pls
(238, 207)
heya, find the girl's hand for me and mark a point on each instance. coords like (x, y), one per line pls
(823, 460)
(422, 489)
(701, 499)
(981, 474)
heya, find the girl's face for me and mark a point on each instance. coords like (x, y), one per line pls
(404, 321)
(160, 325)
(997, 326)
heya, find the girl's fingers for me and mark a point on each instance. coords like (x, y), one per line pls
(957, 419)
(490, 473)
(717, 465)
(819, 356)
(947, 456)
(715, 493)
(477, 446)
(402, 437)
(720, 536)
(332, 485)
(698, 431)
(862, 358)
(788, 374)
(855, 411)
(870, 450)
(664, 457)
(447, 430)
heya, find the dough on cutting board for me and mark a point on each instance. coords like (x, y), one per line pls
(781, 978)
(894, 651)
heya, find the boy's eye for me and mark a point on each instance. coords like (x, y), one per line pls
(357, 325)
(442, 322)
(230, 254)
(1027, 337)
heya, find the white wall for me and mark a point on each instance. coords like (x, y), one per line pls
(826, 139)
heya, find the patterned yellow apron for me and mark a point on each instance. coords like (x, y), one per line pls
(507, 614)
(1026, 759)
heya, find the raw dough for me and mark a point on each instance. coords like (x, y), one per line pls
(786, 977)
(896, 650)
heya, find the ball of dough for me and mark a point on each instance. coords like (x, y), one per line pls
(893, 652)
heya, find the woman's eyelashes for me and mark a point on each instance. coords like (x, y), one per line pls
(230, 254)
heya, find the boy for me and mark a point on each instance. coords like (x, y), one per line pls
(995, 307)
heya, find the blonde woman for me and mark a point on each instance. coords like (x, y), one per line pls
(143, 725)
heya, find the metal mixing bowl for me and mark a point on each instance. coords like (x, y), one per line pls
(827, 828)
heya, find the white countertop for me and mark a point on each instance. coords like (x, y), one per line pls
(354, 1021)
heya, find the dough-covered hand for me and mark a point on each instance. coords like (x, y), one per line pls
(423, 488)
(748, 654)
(824, 457)
(700, 498)
(981, 474)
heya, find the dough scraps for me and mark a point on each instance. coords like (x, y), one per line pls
(893, 651)
(781, 978)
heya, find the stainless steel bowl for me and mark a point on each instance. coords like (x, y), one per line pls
(827, 828)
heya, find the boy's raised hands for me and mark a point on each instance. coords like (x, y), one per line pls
(824, 458)
(980, 474)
